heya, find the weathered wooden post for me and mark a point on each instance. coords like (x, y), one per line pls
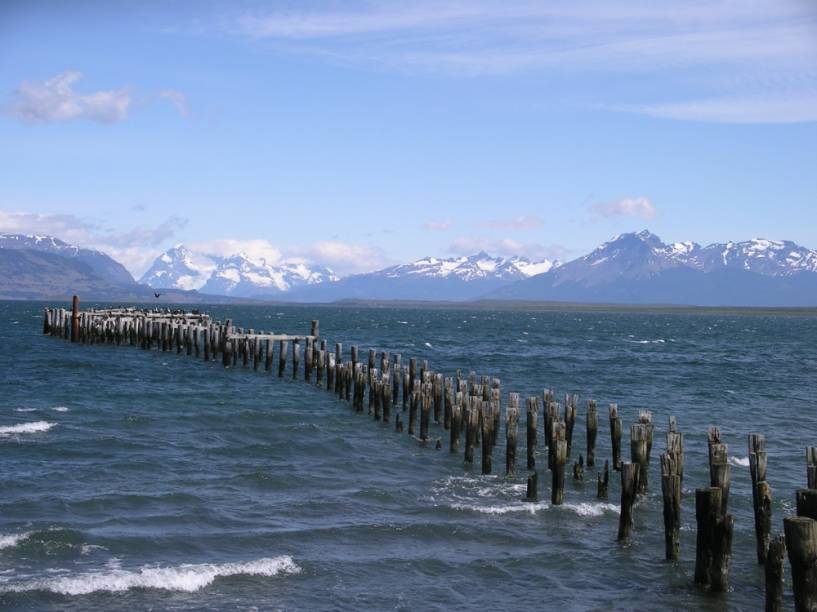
(314, 329)
(296, 356)
(559, 444)
(713, 550)
(578, 468)
(283, 347)
(75, 319)
(456, 423)
(475, 406)
(571, 403)
(761, 495)
(638, 456)
(532, 494)
(603, 481)
(811, 467)
(309, 358)
(720, 471)
(397, 375)
(671, 492)
(487, 436)
(511, 432)
(532, 408)
(592, 432)
(801, 544)
(807, 503)
(774, 574)
(425, 411)
(625, 519)
(615, 436)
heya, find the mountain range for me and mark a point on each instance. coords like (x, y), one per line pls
(632, 268)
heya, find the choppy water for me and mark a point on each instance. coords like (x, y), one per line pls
(136, 480)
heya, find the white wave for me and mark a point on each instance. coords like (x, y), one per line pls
(592, 509)
(60, 409)
(7, 541)
(739, 461)
(20, 428)
(186, 577)
(531, 507)
(403, 322)
(428, 344)
(658, 341)
(24, 409)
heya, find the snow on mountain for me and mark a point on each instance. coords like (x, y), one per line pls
(640, 268)
(469, 268)
(99, 263)
(179, 268)
(241, 276)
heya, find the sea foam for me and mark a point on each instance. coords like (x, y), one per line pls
(739, 461)
(23, 428)
(8, 541)
(186, 577)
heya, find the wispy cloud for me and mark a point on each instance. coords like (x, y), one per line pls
(437, 225)
(257, 249)
(521, 222)
(55, 100)
(640, 207)
(178, 99)
(343, 257)
(135, 248)
(681, 43)
(506, 247)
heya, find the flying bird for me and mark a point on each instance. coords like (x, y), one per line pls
(156, 295)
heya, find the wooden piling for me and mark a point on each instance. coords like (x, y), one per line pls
(713, 550)
(603, 481)
(811, 467)
(592, 432)
(475, 405)
(615, 436)
(283, 347)
(487, 436)
(671, 493)
(456, 424)
(532, 408)
(720, 472)
(625, 519)
(774, 574)
(638, 456)
(571, 403)
(75, 319)
(532, 494)
(801, 545)
(559, 443)
(511, 432)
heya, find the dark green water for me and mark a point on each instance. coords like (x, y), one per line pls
(146, 480)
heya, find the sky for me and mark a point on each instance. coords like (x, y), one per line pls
(361, 134)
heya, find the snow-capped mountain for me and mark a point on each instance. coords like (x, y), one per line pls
(479, 266)
(100, 264)
(179, 268)
(640, 268)
(429, 278)
(242, 276)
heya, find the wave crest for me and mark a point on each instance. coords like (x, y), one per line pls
(187, 577)
(22, 428)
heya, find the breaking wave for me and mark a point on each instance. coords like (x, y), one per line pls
(22, 428)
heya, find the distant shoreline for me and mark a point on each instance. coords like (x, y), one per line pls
(478, 305)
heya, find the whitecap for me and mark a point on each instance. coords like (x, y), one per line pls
(531, 507)
(20, 428)
(592, 509)
(428, 344)
(739, 461)
(60, 409)
(403, 322)
(187, 577)
(7, 541)
(24, 409)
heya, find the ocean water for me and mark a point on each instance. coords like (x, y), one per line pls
(135, 480)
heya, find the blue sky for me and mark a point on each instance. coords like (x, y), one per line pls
(358, 134)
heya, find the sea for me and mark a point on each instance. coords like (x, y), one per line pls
(146, 480)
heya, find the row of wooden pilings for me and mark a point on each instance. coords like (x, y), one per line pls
(469, 409)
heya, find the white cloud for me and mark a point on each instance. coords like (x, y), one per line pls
(437, 225)
(626, 207)
(55, 100)
(521, 222)
(178, 99)
(794, 108)
(135, 248)
(256, 249)
(343, 257)
(690, 49)
(506, 247)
